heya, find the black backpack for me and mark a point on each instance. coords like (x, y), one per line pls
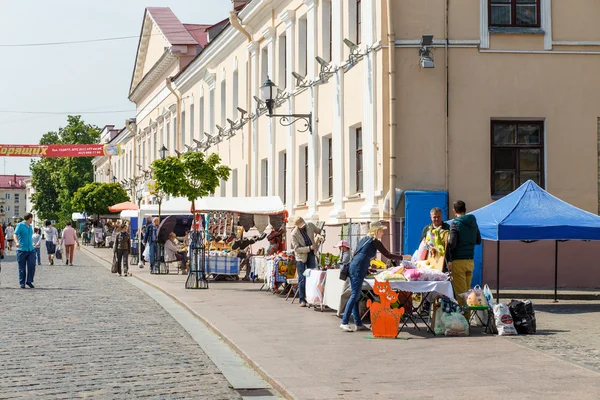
(523, 316)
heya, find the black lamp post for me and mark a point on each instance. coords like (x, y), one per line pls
(269, 93)
(114, 179)
(163, 152)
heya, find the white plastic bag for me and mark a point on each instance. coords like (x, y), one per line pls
(504, 320)
(488, 295)
(146, 253)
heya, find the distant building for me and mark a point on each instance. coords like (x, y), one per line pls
(13, 197)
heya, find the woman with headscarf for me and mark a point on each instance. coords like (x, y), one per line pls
(366, 250)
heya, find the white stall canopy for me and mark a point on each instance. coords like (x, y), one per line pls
(267, 205)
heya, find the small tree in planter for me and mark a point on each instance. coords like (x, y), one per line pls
(193, 176)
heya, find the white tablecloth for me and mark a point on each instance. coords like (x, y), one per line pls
(441, 287)
(315, 287)
(258, 266)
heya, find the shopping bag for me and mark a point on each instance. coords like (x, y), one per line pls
(146, 253)
(58, 253)
(523, 316)
(114, 268)
(487, 292)
(504, 320)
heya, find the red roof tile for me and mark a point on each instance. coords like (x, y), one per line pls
(171, 26)
(198, 31)
(12, 181)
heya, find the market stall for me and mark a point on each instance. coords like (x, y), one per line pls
(530, 214)
(218, 222)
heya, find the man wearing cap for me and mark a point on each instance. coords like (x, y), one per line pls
(304, 243)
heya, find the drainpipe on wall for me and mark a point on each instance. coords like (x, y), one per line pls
(447, 169)
(177, 113)
(131, 130)
(392, 124)
(236, 23)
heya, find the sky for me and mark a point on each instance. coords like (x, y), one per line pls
(73, 77)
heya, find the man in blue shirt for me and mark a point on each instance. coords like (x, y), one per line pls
(25, 251)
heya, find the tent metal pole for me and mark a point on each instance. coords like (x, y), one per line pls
(498, 271)
(556, 271)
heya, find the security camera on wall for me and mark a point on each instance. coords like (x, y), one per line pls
(427, 62)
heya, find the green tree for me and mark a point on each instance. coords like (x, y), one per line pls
(95, 198)
(57, 179)
(192, 175)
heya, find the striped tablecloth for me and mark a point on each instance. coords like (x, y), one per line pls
(222, 265)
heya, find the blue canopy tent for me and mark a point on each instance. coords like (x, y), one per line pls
(529, 214)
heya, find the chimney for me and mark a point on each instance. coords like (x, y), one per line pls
(238, 3)
(15, 180)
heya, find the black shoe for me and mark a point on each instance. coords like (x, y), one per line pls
(30, 285)
(22, 286)
(71, 264)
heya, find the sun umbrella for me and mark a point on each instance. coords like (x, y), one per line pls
(165, 228)
(128, 205)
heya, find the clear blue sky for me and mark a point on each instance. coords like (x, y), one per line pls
(75, 77)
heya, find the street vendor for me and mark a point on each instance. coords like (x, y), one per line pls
(345, 252)
(437, 222)
(274, 239)
(242, 245)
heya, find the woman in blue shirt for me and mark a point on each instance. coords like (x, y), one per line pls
(359, 266)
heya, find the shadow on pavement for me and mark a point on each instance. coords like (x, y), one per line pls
(580, 308)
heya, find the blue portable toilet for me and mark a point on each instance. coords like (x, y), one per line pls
(417, 205)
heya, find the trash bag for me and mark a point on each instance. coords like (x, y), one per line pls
(523, 316)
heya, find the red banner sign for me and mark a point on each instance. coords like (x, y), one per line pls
(59, 150)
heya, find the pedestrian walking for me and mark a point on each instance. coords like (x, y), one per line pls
(122, 248)
(150, 240)
(37, 240)
(9, 235)
(23, 238)
(69, 238)
(51, 240)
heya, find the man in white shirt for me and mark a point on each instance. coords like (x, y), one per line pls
(9, 235)
(51, 240)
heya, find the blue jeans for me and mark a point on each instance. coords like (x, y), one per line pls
(26, 259)
(38, 255)
(356, 282)
(153, 249)
(301, 267)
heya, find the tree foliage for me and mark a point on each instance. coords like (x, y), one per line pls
(193, 175)
(95, 198)
(56, 179)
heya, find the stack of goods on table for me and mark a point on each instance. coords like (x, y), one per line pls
(409, 271)
(280, 267)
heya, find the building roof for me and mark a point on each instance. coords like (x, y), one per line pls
(198, 32)
(170, 26)
(12, 181)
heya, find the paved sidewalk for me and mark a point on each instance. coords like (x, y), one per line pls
(304, 353)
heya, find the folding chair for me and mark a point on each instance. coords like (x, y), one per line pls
(293, 284)
(489, 324)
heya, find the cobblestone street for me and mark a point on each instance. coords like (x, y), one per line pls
(567, 330)
(85, 333)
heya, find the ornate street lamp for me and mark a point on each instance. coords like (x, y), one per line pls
(269, 93)
(163, 152)
(114, 179)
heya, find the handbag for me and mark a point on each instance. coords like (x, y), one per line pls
(344, 272)
(58, 253)
(113, 269)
